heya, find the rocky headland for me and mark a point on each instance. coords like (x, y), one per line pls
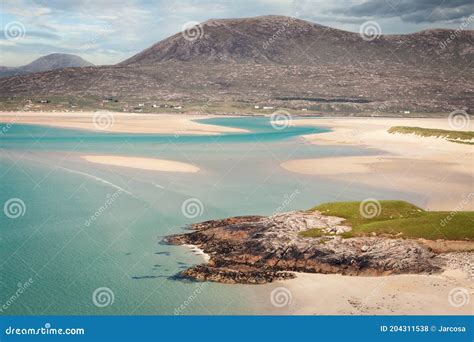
(259, 249)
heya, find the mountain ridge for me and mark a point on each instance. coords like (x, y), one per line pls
(259, 40)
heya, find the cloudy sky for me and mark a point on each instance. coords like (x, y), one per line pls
(106, 31)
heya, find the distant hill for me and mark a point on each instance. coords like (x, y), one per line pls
(281, 61)
(49, 62)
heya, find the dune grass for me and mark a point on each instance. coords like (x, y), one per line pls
(461, 142)
(399, 219)
(453, 136)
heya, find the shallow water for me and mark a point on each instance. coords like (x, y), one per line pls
(79, 232)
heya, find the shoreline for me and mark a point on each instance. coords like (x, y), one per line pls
(198, 251)
(439, 170)
(115, 122)
(404, 294)
(150, 164)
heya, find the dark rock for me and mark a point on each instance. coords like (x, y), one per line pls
(257, 249)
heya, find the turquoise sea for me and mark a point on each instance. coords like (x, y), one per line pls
(87, 237)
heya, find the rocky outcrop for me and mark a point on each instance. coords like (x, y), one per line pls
(257, 249)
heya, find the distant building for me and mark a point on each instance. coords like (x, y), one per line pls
(406, 112)
(43, 101)
(267, 107)
(257, 107)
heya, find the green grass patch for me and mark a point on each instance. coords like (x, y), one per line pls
(430, 132)
(461, 142)
(431, 225)
(400, 219)
(313, 233)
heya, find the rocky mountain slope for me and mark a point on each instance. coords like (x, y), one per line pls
(290, 41)
(284, 62)
(46, 63)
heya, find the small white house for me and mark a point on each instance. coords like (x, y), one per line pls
(406, 112)
(256, 107)
(267, 107)
(141, 105)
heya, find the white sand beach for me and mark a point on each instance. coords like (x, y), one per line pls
(440, 169)
(143, 163)
(120, 122)
(198, 251)
(408, 294)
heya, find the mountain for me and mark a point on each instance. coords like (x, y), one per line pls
(279, 61)
(290, 41)
(49, 62)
